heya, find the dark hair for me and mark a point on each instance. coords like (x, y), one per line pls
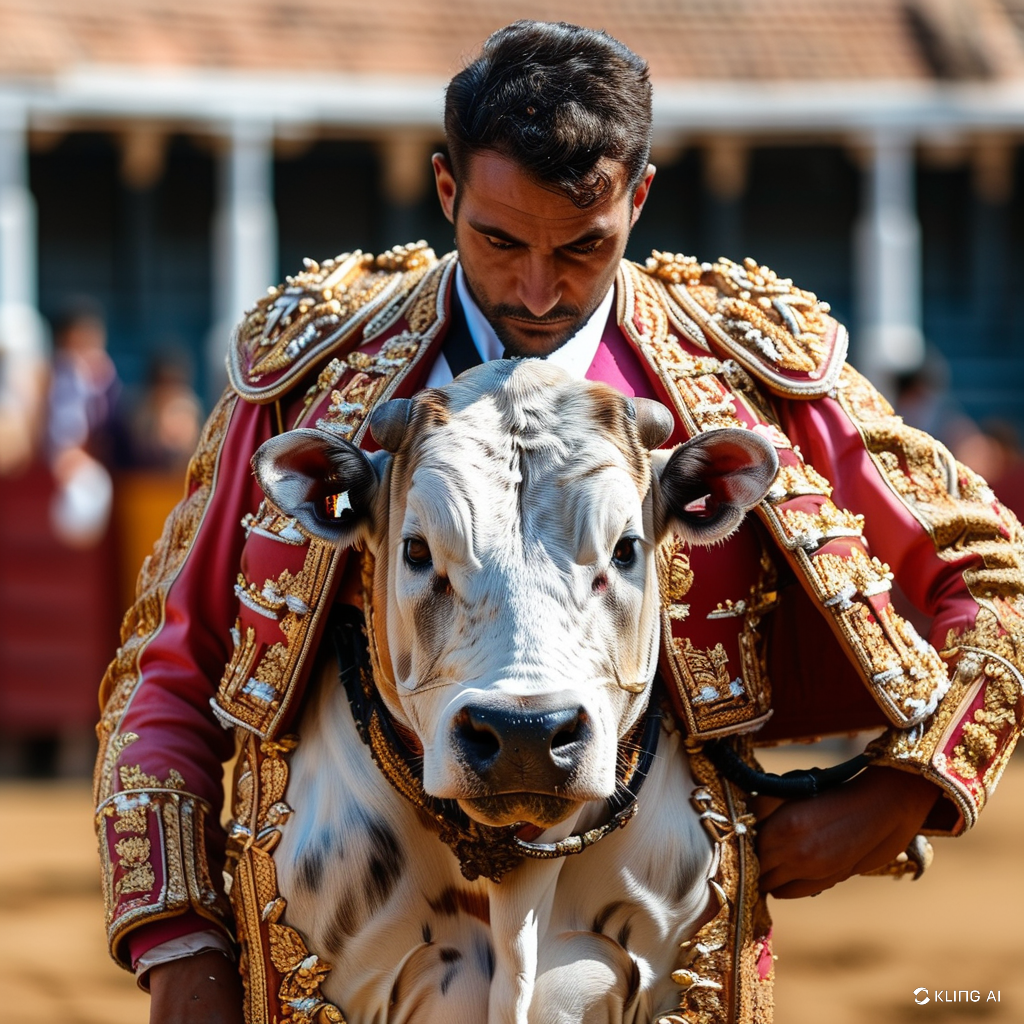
(76, 310)
(554, 98)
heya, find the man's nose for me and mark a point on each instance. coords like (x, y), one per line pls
(539, 287)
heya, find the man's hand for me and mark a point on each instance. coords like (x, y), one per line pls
(806, 846)
(200, 989)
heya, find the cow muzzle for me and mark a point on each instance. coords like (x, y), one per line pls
(520, 764)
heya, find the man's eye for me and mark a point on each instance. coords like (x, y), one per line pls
(499, 243)
(584, 250)
(624, 554)
(417, 553)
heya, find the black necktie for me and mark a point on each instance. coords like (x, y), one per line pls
(458, 349)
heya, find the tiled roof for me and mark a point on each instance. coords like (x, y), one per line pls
(682, 39)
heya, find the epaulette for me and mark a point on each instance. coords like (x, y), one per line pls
(321, 311)
(780, 334)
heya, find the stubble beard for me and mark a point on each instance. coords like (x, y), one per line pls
(499, 314)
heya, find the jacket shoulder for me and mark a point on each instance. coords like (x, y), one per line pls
(322, 311)
(781, 334)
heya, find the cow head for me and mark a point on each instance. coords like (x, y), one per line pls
(514, 517)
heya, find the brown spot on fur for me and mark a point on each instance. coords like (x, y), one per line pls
(450, 901)
(604, 916)
(430, 410)
(404, 665)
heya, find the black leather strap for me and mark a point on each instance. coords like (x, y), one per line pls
(794, 785)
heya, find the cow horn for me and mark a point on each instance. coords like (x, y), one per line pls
(388, 422)
(654, 422)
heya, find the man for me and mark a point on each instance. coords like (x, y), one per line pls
(546, 173)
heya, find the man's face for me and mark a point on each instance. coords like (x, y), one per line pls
(537, 265)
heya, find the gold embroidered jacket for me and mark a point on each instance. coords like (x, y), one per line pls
(792, 631)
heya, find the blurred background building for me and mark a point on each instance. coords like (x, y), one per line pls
(168, 160)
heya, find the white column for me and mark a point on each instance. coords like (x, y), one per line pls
(245, 233)
(19, 319)
(888, 264)
(22, 333)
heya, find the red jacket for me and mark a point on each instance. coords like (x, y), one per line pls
(756, 641)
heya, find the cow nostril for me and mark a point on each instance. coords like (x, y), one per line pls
(477, 739)
(570, 732)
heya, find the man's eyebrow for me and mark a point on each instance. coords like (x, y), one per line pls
(595, 235)
(493, 232)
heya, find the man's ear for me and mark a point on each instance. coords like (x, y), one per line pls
(706, 485)
(327, 484)
(641, 193)
(446, 187)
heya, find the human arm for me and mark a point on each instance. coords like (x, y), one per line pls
(201, 989)
(958, 556)
(158, 779)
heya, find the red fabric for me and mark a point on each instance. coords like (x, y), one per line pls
(765, 960)
(617, 364)
(143, 939)
(831, 443)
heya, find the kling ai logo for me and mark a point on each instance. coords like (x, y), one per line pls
(960, 995)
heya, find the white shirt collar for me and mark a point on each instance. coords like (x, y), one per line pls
(575, 356)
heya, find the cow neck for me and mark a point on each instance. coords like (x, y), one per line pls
(482, 850)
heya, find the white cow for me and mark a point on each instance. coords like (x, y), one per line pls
(513, 518)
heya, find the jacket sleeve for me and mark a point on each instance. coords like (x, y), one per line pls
(158, 780)
(958, 555)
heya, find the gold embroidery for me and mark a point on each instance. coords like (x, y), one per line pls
(131, 820)
(810, 529)
(133, 777)
(413, 256)
(718, 972)
(839, 573)
(706, 673)
(159, 570)
(905, 674)
(138, 872)
(798, 480)
(269, 947)
(753, 655)
(950, 501)
(674, 268)
(981, 739)
(308, 306)
(255, 687)
(765, 314)
(236, 672)
(675, 577)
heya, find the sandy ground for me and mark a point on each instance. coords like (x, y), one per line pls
(854, 954)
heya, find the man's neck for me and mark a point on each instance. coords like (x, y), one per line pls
(574, 355)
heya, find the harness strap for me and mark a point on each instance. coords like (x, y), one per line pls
(794, 785)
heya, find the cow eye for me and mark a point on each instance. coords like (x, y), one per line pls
(624, 554)
(417, 553)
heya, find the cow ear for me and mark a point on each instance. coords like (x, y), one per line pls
(707, 484)
(327, 484)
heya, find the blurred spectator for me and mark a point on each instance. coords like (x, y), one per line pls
(924, 401)
(162, 425)
(996, 454)
(84, 389)
(993, 450)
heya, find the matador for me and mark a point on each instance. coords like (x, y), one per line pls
(796, 627)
